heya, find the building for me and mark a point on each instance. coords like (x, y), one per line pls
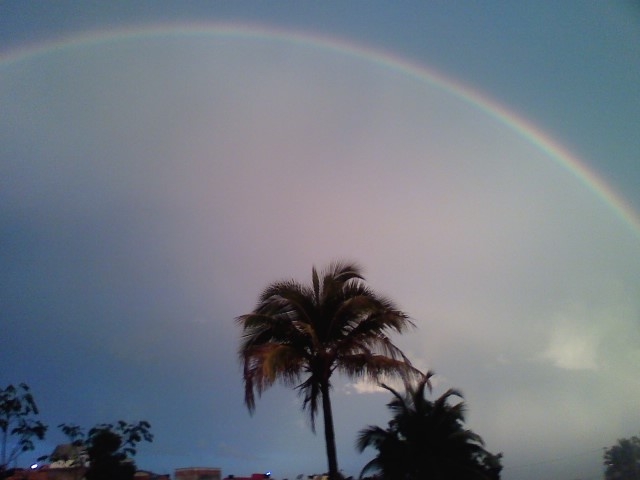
(147, 475)
(47, 473)
(198, 473)
(254, 476)
(70, 462)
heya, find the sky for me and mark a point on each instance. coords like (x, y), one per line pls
(162, 162)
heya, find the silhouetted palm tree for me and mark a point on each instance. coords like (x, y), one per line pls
(301, 334)
(427, 440)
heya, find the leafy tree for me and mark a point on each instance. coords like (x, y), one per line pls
(301, 334)
(109, 448)
(427, 440)
(106, 460)
(18, 410)
(622, 460)
(73, 432)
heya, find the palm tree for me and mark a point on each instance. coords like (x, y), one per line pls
(427, 440)
(301, 334)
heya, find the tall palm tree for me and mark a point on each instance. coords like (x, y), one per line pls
(427, 440)
(301, 334)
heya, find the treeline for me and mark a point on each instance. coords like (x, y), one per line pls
(300, 335)
(105, 451)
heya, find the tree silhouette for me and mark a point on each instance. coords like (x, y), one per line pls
(622, 460)
(427, 440)
(109, 448)
(18, 410)
(301, 334)
(107, 462)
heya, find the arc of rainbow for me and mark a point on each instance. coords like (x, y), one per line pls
(518, 124)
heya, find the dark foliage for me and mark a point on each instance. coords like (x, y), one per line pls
(18, 425)
(622, 460)
(109, 448)
(427, 440)
(106, 460)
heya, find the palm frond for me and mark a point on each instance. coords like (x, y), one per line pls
(310, 391)
(371, 436)
(315, 281)
(371, 466)
(373, 367)
(342, 271)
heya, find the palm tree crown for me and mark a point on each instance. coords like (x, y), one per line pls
(301, 334)
(427, 440)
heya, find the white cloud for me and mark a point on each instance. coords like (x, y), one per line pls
(592, 332)
(571, 348)
(362, 387)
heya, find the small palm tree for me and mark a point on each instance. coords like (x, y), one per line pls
(301, 334)
(427, 440)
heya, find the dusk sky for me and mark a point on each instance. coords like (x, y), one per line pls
(162, 162)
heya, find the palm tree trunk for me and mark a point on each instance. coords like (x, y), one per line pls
(329, 433)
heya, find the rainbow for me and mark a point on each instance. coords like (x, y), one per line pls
(491, 107)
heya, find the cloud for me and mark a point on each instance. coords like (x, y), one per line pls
(585, 333)
(364, 387)
(572, 348)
